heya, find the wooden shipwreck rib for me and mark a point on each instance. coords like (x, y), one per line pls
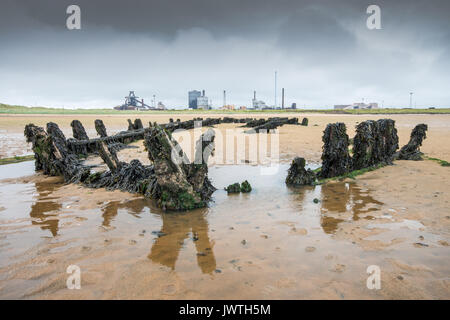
(174, 185)
(375, 143)
(137, 132)
(177, 184)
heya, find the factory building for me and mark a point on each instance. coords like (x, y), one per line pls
(257, 104)
(198, 100)
(203, 102)
(356, 105)
(161, 106)
(193, 95)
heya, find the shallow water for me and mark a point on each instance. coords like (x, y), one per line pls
(274, 242)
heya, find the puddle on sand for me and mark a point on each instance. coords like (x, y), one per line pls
(345, 202)
(45, 208)
(274, 242)
(16, 170)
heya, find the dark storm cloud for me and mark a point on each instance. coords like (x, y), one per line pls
(163, 18)
(322, 50)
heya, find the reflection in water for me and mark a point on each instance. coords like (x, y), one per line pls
(343, 198)
(134, 207)
(329, 224)
(43, 205)
(176, 228)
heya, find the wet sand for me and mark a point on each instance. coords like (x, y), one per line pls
(294, 140)
(274, 243)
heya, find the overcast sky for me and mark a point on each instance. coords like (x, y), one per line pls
(322, 50)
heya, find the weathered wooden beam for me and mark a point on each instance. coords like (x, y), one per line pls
(108, 156)
(78, 130)
(125, 137)
(100, 128)
(411, 151)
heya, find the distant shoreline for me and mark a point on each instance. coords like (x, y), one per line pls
(22, 110)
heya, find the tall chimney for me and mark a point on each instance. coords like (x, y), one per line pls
(275, 104)
(224, 98)
(203, 92)
(282, 98)
(254, 95)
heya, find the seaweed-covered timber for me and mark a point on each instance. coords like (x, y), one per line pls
(336, 160)
(136, 125)
(179, 184)
(375, 142)
(298, 175)
(100, 128)
(228, 120)
(269, 124)
(411, 151)
(84, 147)
(174, 185)
(244, 187)
(79, 133)
(233, 188)
(52, 154)
(255, 123)
(108, 156)
(78, 130)
(37, 137)
(258, 122)
(305, 122)
(117, 141)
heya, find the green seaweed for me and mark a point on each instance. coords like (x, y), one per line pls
(246, 187)
(188, 202)
(351, 175)
(94, 177)
(16, 159)
(143, 186)
(233, 188)
(440, 161)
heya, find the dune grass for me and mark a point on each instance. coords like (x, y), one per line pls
(16, 159)
(14, 109)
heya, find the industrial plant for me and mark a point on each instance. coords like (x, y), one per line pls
(198, 100)
(132, 102)
(356, 105)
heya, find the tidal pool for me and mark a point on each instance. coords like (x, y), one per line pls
(273, 243)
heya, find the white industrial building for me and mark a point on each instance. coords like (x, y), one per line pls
(203, 102)
(356, 105)
(198, 100)
(258, 104)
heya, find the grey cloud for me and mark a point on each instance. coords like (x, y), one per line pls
(322, 50)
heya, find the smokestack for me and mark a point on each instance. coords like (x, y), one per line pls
(254, 95)
(224, 98)
(282, 98)
(203, 92)
(275, 105)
